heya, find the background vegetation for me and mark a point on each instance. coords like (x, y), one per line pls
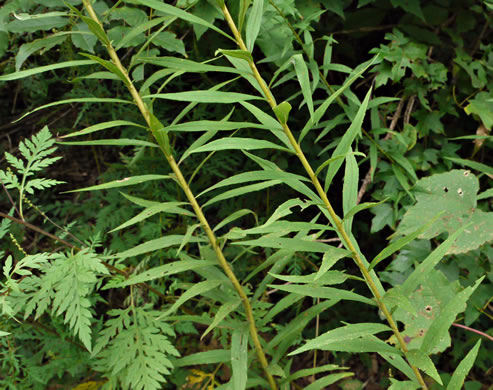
(121, 285)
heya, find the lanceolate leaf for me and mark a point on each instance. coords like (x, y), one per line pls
(344, 145)
(128, 181)
(237, 143)
(204, 96)
(166, 270)
(422, 361)
(30, 72)
(253, 23)
(111, 142)
(153, 245)
(457, 380)
(341, 335)
(304, 80)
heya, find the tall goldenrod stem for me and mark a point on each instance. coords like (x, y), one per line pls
(196, 207)
(335, 218)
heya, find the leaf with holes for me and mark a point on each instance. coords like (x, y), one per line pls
(455, 195)
(429, 300)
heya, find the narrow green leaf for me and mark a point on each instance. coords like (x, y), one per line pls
(327, 380)
(343, 147)
(196, 289)
(486, 169)
(177, 12)
(154, 245)
(186, 238)
(109, 66)
(185, 65)
(320, 111)
(239, 358)
(304, 80)
(204, 96)
(399, 363)
(422, 361)
(208, 357)
(400, 243)
(221, 314)
(312, 371)
(30, 72)
(128, 181)
(253, 23)
(328, 278)
(331, 257)
(422, 270)
(233, 217)
(237, 143)
(213, 126)
(241, 54)
(42, 44)
(286, 243)
(340, 335)
(112, 142)
(140, 28)
(102, 126)
(350, 188)
(242, 191)
(76, 100)
(282, 112)
(460, 373)
(140, 201)
(166, 270)
(447, 316)
(485, 194)
(96, 29)
(362, 206)
(166, 207)
(323, 292)
(335, 158)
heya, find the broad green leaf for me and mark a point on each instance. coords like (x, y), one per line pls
(166, 270)
(241, 54)
(253, 23)
(422, 361)
(455, 194)
(350, 188)
(399, 244)
(213, 126)
(154, 245)
(237, 143)
(460, 373)
(208, 357)
(327, 380)
(344, 145)
(30, 72)
(167, 207)
(186, 65)
(42, 44)
(221, 314)
(394, 298)
(304, 80)
(196, 289)
(76, 100)
(482, 106)
(447, 316)
(323, 292)
(83, 38)
(337, 337)
(204, 96)
(242, 191)
(282, 112)
(128, 181)
(177, 12)
(239, 358)
(332, 256)
(112, 142)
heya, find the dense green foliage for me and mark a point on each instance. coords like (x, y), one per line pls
(246, 194)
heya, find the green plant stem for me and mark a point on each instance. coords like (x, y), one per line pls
(336, 220)
(196, 207)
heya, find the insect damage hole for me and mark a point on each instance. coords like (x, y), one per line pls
(460, 192)
(466, 173)
(428, 309)
(445, 189)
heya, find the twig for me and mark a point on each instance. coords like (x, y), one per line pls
(474, 331)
